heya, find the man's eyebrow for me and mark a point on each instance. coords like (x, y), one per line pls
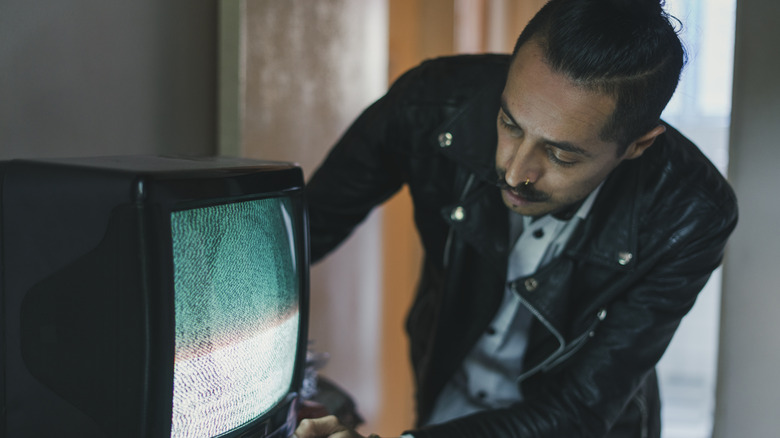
(562, 145)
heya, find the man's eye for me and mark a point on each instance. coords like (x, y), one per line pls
(557, 157)
(507, 123)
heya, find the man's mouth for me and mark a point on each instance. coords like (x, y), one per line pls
(521, 194)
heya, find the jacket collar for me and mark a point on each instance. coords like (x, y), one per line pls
(471, 139)
(609, 236)
(471, 133)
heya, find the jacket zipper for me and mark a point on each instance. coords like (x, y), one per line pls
(577, 344)
(543, 320)
(564, 351)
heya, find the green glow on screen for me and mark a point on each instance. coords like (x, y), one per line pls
(236, 292)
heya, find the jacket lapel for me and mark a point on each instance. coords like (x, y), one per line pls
(609, 235)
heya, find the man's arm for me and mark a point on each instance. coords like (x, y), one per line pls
(361, 170)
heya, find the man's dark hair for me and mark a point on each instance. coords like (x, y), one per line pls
(625, 48)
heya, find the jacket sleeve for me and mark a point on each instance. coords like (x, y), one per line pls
(372, 160)
(586, 395)
(358, 174)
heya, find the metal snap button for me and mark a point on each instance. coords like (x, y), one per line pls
(445, 139)
(458, 214)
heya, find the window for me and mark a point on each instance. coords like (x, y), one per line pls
(701, 110)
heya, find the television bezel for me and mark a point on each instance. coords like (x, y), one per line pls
(160, 186)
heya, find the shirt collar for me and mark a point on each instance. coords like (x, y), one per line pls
(579, 209)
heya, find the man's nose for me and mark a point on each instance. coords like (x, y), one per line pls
(523, 167)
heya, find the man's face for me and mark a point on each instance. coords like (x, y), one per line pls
(550, 154)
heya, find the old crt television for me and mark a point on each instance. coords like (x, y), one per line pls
(151, 297)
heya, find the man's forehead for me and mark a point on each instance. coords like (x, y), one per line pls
(550, 102)
(560, 144)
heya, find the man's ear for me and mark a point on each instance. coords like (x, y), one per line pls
(640, 145)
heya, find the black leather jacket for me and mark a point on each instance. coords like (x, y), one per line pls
(605, 310)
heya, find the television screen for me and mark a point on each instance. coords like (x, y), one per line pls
(236, 288)
(151, 297)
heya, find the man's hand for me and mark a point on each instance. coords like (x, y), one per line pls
(326, 427)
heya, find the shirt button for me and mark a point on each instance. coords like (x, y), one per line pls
(539, 233)
(490, 331)
(458, 214)
(482, 395)
(445, 139)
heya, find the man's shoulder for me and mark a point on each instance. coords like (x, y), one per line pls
(682, 178)
(667, 198)
(469, 65)
(451, 77)
(687, 164)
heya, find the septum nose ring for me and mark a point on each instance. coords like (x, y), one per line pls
(527, 181)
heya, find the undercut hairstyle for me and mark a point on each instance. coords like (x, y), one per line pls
(628, 49)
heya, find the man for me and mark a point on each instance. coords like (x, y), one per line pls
(548, 294)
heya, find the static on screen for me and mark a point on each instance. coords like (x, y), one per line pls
(236, 291)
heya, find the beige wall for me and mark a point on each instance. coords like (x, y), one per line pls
(302, 72)
(307, 69)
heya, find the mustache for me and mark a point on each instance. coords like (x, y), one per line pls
(527, 192)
